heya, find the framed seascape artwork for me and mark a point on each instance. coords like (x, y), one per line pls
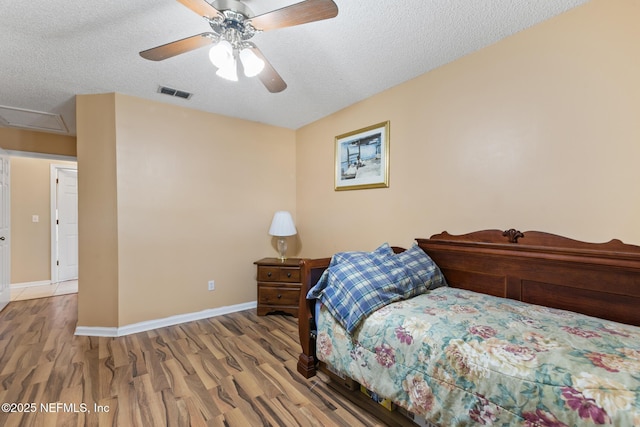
(362, 158)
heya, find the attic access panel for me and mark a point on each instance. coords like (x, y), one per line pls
(30, 119)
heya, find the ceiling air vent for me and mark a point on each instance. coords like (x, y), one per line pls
(174, 92)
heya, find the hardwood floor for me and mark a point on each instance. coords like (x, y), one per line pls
(232, 370)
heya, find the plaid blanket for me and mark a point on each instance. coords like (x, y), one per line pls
(358, 283)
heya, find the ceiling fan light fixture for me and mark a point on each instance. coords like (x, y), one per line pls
(233, 24)
(251, 63)
(221, 54)
(229, 71)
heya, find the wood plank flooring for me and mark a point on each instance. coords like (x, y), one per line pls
(233, 370)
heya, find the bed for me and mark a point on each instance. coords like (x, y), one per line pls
(529, 329)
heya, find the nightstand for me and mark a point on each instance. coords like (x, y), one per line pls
(278, 285)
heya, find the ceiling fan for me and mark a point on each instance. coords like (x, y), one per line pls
(233, 25)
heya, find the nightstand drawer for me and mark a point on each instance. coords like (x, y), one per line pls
(278, 274)
(269, 295)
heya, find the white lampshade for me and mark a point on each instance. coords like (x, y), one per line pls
(251, 63)
(221, 54)
(229, 71)
(282, 225)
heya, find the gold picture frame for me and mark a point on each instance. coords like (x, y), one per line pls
(362, 158)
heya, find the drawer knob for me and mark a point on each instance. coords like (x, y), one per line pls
(288, 274)
(269, 274)
(279, 296)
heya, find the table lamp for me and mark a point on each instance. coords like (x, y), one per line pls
(281, 227)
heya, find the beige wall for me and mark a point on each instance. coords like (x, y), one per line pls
(540, 131)
(190, 196)
(37, 142)
(97, 211)
(31, 241)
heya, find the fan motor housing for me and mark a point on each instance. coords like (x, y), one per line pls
(234, 23)
(233, 5)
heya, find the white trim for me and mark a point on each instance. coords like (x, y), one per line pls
(98, 331)
(16, 153)
(30, 284)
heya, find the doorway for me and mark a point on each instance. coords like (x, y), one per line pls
(64, 223)
(34, 233)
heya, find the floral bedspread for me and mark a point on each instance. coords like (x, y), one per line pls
(463, 358)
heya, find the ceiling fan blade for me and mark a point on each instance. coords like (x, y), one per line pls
(296, 14)
(269, 76)
(176, 48)
(200, 7)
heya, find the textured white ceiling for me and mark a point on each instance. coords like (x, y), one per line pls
(51, 50)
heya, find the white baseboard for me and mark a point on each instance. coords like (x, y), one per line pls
(98, 331)
(29, 284)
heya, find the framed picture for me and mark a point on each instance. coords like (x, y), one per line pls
(362, 158)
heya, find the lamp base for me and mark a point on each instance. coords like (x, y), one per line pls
(282, 248)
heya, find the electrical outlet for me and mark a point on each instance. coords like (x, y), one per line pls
(212, 285)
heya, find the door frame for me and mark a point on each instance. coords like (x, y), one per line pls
(54, 229)
(7, 206)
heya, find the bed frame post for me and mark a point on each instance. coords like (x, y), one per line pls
(311, 270)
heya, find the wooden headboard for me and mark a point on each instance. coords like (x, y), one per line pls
(597, 279)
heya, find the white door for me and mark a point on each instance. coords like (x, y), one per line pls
(67, 224)
(5, 249)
